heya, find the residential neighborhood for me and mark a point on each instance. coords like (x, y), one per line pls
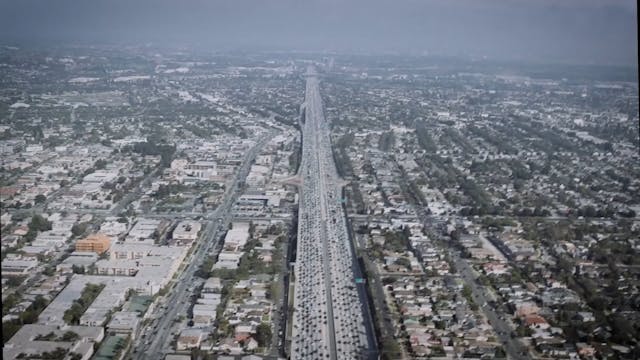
(161, 204)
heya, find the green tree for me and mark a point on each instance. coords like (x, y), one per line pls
(390, 349)
(8, 330)
(466, 291)
(402, 261)
(100, 164)
(10, 301)
(49, 270)
(31, 235)
(39, 223)
(39, 199)
(39, 303)
(263, 334)
(79, 229)
(14, 281)
(69, 336)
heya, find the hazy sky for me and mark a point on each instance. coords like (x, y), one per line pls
(574, 31)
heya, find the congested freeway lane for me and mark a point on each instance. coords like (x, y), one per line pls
(328, 319)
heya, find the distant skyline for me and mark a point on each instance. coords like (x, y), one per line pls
(570, 31)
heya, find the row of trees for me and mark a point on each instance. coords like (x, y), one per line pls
(387, 141)
(496, 139)
(424, 139)
(454, 136)
(79, 306)
(475, 192)
(68, 336)
(166, 190)
(294, 160)
(607, 212)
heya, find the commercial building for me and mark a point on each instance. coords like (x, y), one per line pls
(18, 265)
(124, 322)
(28, 342)
(186, 232)
(98, 243)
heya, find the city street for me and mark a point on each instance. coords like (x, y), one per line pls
(177, 301)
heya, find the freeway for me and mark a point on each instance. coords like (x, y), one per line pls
(176, 302)
(328, 319)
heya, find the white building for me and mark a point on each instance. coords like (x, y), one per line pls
(186, 231)
(24, 341)
(237, 237)
(112, 227)
(144, 228)
(124, 322)
(212, 285)
(228, 260)
(18, 265)
(203, 170)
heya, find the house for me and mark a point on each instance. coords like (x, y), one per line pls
(552, 347)
(420, 339)
(495, 268)
(585, 316)
(205, 310)
(21, 230)
(231, 346)
(190, 338)
(526, 308)
(535, 321)
(243, 331)
(212, 285)
(585, 350)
